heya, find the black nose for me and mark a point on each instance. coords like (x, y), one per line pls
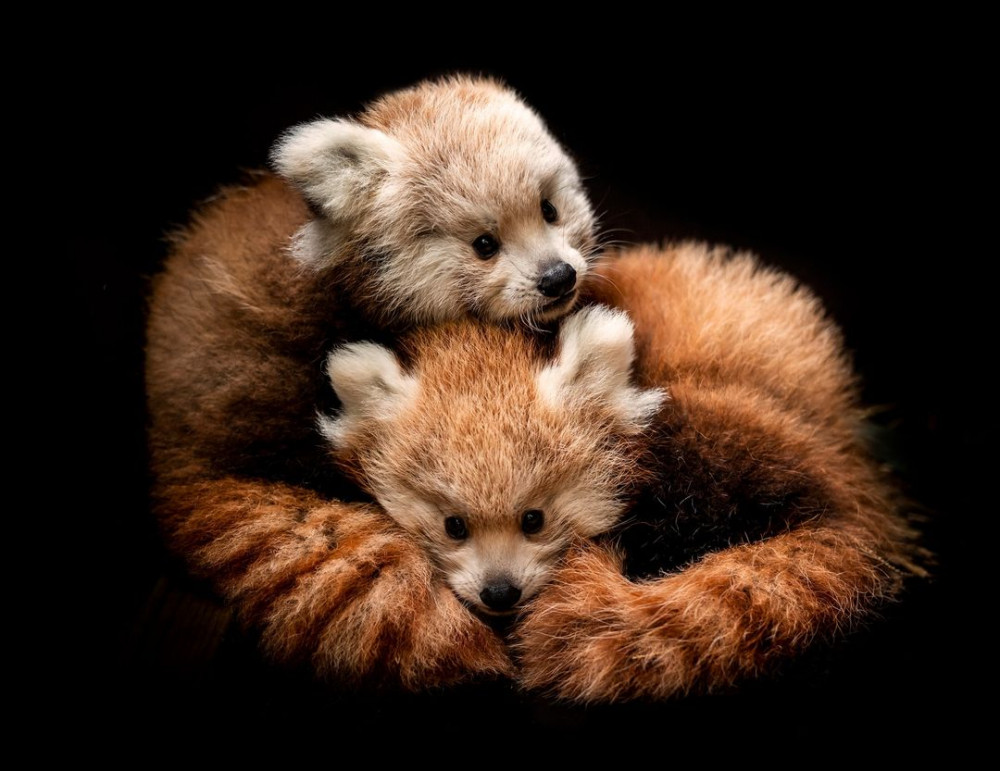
(500, 596)
(557, 279)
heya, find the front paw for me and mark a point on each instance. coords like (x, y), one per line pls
(586, 637)
(449, 644)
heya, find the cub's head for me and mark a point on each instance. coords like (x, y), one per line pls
(493, 452)
(441, 201)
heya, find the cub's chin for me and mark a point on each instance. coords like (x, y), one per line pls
(497, 619)
(501, 623)
(556, 308)
(484, 612)
(542, 312)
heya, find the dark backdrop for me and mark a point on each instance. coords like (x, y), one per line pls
(842, 163)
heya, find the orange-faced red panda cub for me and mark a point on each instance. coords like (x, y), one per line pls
(446, 200)
(651, 546)
(493, 454)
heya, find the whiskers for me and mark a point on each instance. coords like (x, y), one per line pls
(605, 243)
(597, 278)
(527, 318)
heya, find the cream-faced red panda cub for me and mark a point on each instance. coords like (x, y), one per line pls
(446, 200)
(493, 453)
(652, 546)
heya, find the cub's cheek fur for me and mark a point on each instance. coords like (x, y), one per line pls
(520, 569)
(515, 288)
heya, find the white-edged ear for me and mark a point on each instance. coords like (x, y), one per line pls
(594, 363)
(334, 163)
(370, 384)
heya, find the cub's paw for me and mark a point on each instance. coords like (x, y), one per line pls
(591, 637)
(448, 644)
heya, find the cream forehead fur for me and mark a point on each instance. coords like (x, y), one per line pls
(459, 146)
(593, 365)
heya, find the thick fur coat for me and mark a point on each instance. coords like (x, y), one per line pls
(446, 200)
(743, 520)
(243, 487)
(493, 450)
(756, 524)
(768, 528)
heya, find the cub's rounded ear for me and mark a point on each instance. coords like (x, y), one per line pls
(594, 363)
(370, 384)
(334, 163)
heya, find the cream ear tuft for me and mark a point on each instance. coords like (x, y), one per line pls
(370, 384)
(594, 363)
(334, 163)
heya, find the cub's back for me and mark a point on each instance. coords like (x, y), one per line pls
(235, 338)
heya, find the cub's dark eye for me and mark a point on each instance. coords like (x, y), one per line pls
(486, 246)
(549, 213)
(455, 528)
(532, 521)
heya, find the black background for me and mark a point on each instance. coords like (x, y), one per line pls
(843, 159)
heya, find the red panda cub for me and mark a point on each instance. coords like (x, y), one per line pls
(492, 454)
(667, 508)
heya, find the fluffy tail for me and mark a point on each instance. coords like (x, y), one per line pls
(332, 584)
(595, 636)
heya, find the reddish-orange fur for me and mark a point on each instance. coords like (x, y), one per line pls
(256, 291)
(488, 424)
(244, 486)
(762, 433)
(332, 584)
(764, 412)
